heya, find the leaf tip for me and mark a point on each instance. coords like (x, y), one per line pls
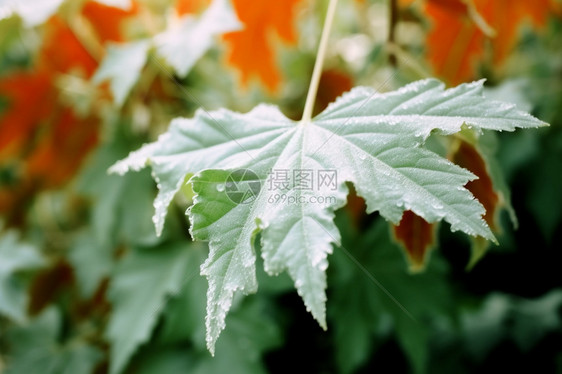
(479, 248)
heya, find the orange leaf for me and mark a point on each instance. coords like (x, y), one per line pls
(456, 40)
(468, 157)
(454, 43)
(417, 237)
(59, 153)
(30, 99)
(62, 52)
(251, 49)
(107, 21)
(190, 6)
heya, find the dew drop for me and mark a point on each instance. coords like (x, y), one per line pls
(220, 187)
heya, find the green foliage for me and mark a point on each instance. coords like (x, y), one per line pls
(36, 349)
(531, 320)
(364, 264)
(136, 312)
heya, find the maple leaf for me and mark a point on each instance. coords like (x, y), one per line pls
(261, 20)
(370, 139)
(457, 36)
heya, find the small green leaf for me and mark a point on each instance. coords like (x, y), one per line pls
(15, 258)
(91, 260)
(122, 66)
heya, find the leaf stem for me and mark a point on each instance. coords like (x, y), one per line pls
(392, 31)
(478, 20)
(317, 72)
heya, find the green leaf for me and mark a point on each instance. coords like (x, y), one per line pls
(185, 312)
(15, 258)
(122, 66)
(91, 262)
(502, 316)
(34, 348)
(545, 199)
(534, 319)
(119, 212)
(138, 293)
(166, 360)
(385, 297)
(370, 139)
(189, 38)
(252, 333)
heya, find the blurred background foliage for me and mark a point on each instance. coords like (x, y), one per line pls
(87, 287)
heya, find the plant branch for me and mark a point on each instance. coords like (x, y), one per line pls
(317, 72)
(85, 33)
(408, 60)
(392, 30)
